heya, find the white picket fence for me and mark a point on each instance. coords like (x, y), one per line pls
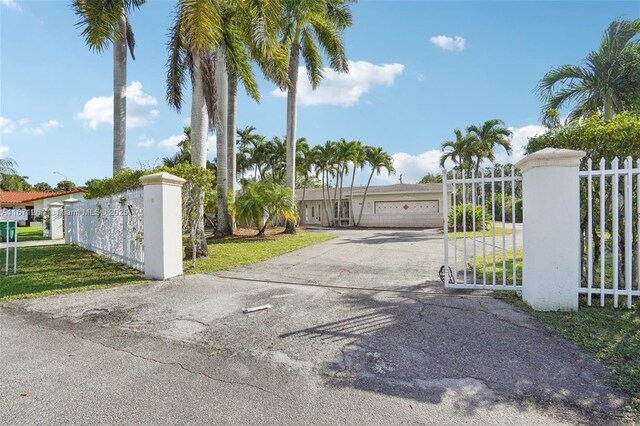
(112, 226)
(460, 268)
(615, 212)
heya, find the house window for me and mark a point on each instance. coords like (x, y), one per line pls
(313, 211)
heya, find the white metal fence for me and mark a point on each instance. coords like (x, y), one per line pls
(612, 243)
(477, 255)
(112, 226)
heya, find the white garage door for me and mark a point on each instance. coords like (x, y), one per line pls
(406, 207)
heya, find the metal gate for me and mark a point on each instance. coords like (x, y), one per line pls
(482, 230)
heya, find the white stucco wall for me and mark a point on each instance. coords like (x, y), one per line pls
(423, 210)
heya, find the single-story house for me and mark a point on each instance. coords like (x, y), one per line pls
(388, 206)
(35, 202)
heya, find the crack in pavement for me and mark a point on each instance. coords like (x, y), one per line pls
(169, 363)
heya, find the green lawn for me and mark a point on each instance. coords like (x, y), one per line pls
(478, 234)
(611, 335)
(43, 271)
(31, 233)
(232, 252)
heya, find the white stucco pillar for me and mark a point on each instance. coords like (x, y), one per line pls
(56, 221)
(70, 222)
(551, 228)
(162, 225)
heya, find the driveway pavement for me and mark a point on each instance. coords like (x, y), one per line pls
(358, 333)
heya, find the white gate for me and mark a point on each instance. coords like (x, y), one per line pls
(613, 226)
(482, 248)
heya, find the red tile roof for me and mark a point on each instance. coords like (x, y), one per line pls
(11, 197)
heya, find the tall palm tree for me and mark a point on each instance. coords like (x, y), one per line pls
(343, 156)
(309, 26)
(324, 156)
(597, 85)
(305, 162)
(358, 156)
(105, 22)
(377, 160)
(487, 136)
(460, 151)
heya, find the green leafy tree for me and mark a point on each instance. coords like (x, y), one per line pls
(261, 202)
(42, 187)
(460, 152)
(65, 185)
(600, 85)
(486, 137)
(308, 28)
(107, 22)
(431, 178)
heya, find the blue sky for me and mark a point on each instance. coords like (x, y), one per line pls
(420, 69)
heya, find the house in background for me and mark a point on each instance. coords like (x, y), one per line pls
(35, 202)
(389, 206)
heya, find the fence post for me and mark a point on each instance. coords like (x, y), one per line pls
(162, 225)
(56, 221)
(70, 222)
(551, 229)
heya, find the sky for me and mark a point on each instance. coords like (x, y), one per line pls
(418, 70)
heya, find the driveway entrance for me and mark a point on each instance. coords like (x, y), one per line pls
(360, 332)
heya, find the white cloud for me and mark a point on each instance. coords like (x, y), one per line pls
(414, 167)
(448, 43)
(145, 142)
(519, 141)
(3, 150)
(344, 89)
(11, 4)
(23, 121)
(7, 125)
(140, 111)
(171, 143)
(44, 126)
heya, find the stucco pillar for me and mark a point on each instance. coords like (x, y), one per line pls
(162, 225)
(56, 221)
(70, 222)
(551, 228)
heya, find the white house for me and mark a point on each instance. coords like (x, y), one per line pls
(388, 206)
(35, 202)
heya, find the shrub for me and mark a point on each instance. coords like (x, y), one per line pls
(469, 213)
(508, 211)
(264, 201)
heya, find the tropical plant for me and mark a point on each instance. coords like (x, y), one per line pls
(460, 151)
(465, 217)
(324, 163)
(107, 22)
(486, 137)
(431, 178)
(377, 160)
(600, 84)
(42, 187)
(261, 202)
(357, 155)
(307, 27)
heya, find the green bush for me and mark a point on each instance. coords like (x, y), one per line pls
(469, 213)
(508, 211)
(124, 180)
(264, 201)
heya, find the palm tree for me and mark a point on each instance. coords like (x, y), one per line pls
(358, 156)
(461, 153)
(305, 162)
(7, 168)
(377, 160)
(487, 136)
(343, 156)
(307, 27)
(105, 22)
(597, 85)
(324, 156)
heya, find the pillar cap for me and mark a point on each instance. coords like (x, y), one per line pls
(71, 200)
(56, 205)
(162, 178)
(551, 157)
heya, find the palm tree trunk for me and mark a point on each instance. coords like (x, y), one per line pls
(351, 216)
(292, 117)
(324, 198)
(303, 216)
(199, 130)
(221, 144)
(364, 198)
(120, 95)
(231, 142)
(339, 196)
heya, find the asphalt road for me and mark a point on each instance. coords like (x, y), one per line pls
(358, 333)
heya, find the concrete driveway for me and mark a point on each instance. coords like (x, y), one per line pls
(359, 333)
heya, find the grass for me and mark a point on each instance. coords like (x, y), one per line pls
(31, 233)
(478, 234)
(235, 251)
(498, 265)
(43, 271)
(611, 335)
